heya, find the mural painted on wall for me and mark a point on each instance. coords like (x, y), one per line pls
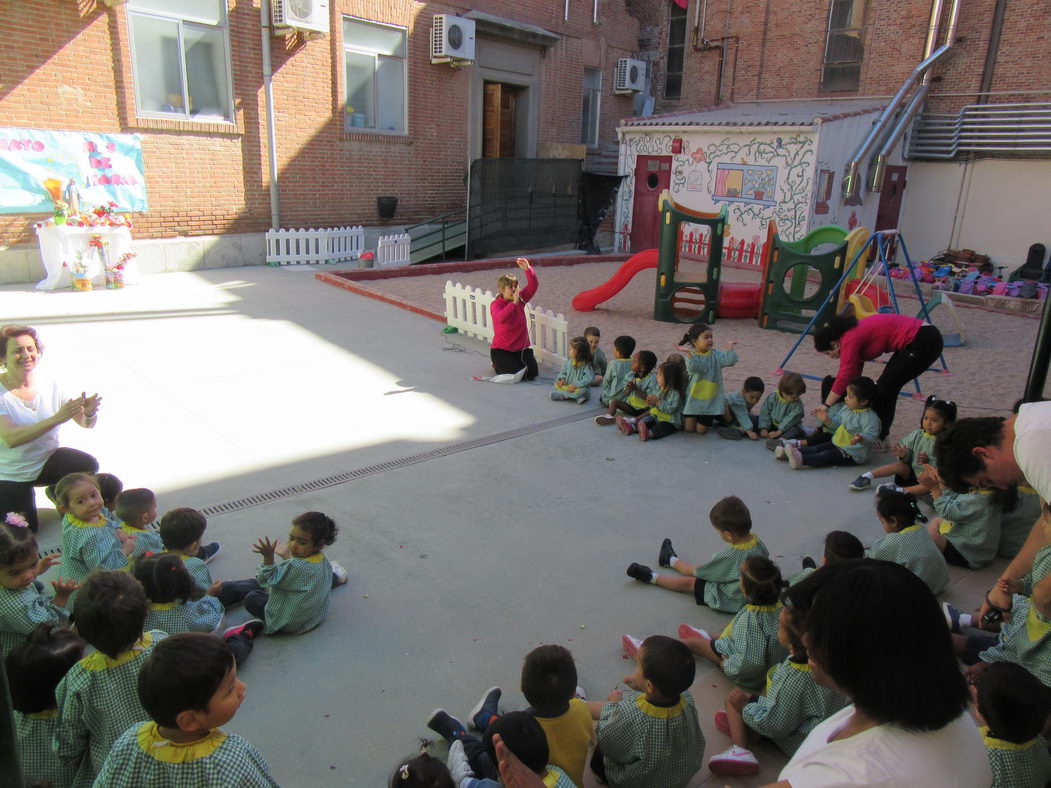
(745, 183)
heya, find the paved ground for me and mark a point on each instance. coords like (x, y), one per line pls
(514, 531)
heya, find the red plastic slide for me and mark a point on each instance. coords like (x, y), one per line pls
(589, 299)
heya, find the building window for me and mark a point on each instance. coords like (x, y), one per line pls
(590, 113)
(676, 51)
(180, 56)
(844, 46)
(374, 58)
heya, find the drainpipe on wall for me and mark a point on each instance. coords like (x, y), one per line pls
(992, 51)
(271, 128)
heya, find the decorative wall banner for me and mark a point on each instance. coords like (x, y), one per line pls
(36, 167)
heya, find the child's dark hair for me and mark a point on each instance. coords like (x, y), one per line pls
(792, 383)
(674, 379)
(842, 546)
(730, 514)
(694, 331)
(37, 665)
(647, 361)
(832, 331)
(164, 579)
(67, 482)
(581, 350)
(761, 580)
(421, 771)
(182, 673)
(549, 679)
(523, 736)
(110, 611)
(624, 345)
(752, 383)
(110, 487)
(17, 544)
(669, 664)
(134, 503)
(1005, 498)
(899, 508)
(1013, 702)
(592, 331)
(945, 408)
(321, 527)
(181, 527)
(864, 388)
(793, 623)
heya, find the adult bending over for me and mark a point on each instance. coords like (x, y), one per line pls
(915, 345)
(510, 352)
(875, 633)
(31, 409)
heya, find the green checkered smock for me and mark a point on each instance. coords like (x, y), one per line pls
(704, 388)
(556, 778)
(645, 746)
(198, 570)
(21, 611)
(97, 700)
(778, 413)
(919, 441)
(579, 375)
(1024, 640)
(738, 411)
(802, 574)
(1016, 525)
(793, 705)
(618, 373)
(643, 388)
(1025, 765)
(971, 523)
(145, 541)
(599, 362)
(193, 615)
(722, 575)
(142, 758)
(87, 546)
(847, 423)
(1040, 570)
(299, 590)
(668, 407)
(39, 763)
(914, 549)
(750, 645)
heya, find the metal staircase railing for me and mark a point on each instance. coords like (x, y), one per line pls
(437, 236)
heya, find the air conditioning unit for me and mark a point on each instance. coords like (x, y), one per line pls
(311, 15)
(452, 39)
(631, 76)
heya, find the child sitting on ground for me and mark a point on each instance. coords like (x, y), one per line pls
(781, 417)
(839, 546)
(907, 543)
(618, 373)
(137, 508)
(748, 647)
(423, 771)
(574, 379)
(737, 415)
(181, 532)
(791, 706)
(650, 737)
(914, 451)
(97, 700)
(1012, 708)
(717, 583)
(967, 529)
(855, 429)
(34, 669)
(641, 384)
(599, 364)
(110, 488)
(704, 390)
(665, 414)
(188, 687)
(22, 604)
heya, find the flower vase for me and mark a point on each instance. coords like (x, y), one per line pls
(82, 282)
(114, 280)
(60, 220)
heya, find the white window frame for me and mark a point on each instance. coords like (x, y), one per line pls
(348, 48)
(223, 27)
(595, 94)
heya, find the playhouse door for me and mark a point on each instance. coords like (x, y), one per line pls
(888, 212)
(652, 176)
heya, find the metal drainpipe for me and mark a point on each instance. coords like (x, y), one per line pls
(271, 128)
(992, 51)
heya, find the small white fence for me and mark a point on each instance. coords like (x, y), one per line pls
(392, 250)
(312, 247)
(467, 310)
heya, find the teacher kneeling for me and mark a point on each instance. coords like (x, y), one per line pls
(31, 410)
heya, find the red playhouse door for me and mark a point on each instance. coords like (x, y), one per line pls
(652, 176)
(888, 212)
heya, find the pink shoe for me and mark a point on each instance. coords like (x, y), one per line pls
(630, 645)
(644, 431)
(625, 426)
(686, 632)
(722, 723)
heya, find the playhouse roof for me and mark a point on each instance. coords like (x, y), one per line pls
(762, 113)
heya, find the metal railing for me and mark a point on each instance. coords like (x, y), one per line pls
(450, 233)
(1022, 128)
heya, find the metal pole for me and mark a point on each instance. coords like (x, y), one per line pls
(1034, 384)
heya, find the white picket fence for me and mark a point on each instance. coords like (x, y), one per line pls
(312, 247)
(467, 310)
(392, 250)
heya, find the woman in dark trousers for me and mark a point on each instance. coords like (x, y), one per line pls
(914, 346)
(510, 352)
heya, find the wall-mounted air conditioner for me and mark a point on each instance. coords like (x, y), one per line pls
(630, 77)
(310, 15)
(452, 39)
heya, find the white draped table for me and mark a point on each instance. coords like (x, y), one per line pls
(60, 243)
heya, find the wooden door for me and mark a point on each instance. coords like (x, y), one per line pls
(652, 176)
(888, 211)
(499, 108)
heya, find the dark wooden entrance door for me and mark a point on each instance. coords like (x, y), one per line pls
(652, 176)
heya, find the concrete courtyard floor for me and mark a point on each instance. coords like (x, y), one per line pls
(476, 521)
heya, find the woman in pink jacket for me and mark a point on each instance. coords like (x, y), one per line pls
(915, 345)
(510, 352)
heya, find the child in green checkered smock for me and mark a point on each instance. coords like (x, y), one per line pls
(738, 420)
(650, 737)
(34, 669)
(1012, 707)
(704, 389)
(182, 531)
(968, 528)
(573, 381)
(1019, 509)
(98, 698)
(665, 415)
(907, 543)
(180, 749)
(136, 509)
(599, 363)
(177, 604)
(618, 371)
(639, 385)
(781, 415)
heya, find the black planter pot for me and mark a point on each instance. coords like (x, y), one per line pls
(386, 206)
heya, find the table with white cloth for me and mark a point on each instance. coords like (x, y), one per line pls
(60, 243)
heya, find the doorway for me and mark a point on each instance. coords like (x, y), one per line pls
(499, 119)
(888, 211)
(652, 176)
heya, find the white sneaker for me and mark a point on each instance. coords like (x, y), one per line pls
(580, 694)
(795, 457)
(631, 646)
(734, 762)
(459, 768)
(339, 574)
(780, 453)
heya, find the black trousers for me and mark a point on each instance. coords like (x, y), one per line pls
(19, 497)
(904, 365)
(508, 362)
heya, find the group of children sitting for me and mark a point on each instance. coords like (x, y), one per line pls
(124, 675)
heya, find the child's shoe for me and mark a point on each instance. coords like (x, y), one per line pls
(956, 618)
(734, 762)
(860, 483)
(558, 396)
(631, 646)
(640, 572)
(459, 766)
(579, 694)
(626, 425)
(888, 487)
(605, 420)
(722, 723)
(446, 725)
(486, 710)
(795, 457)
(729, 433)
(686, 632)
(644, 430)
(772, 443)
(667, 554)
(250, 629)
(209, 551)
(339, 574)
